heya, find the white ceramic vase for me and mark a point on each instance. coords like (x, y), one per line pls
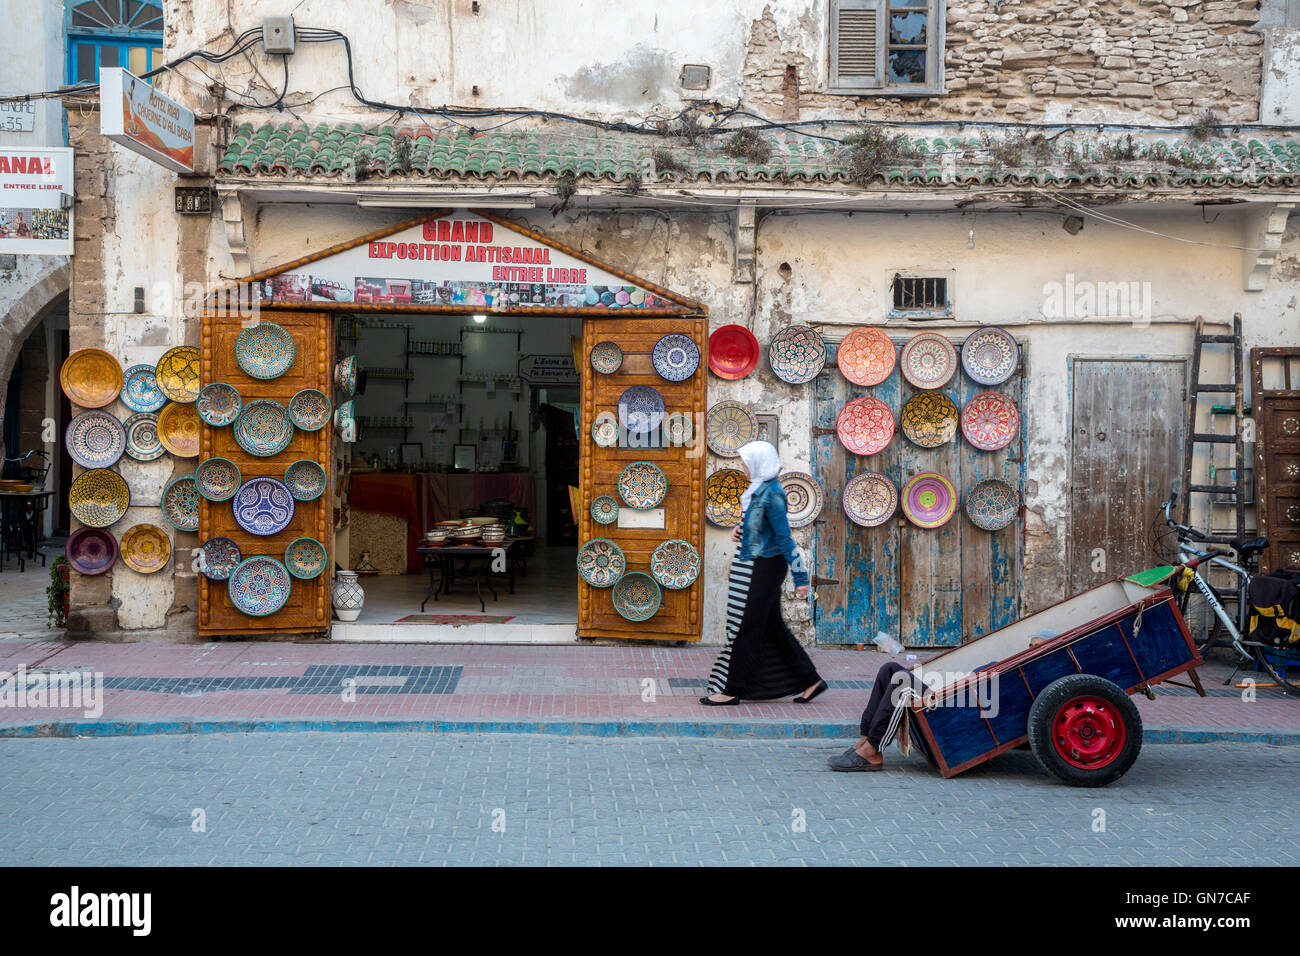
(349, 597)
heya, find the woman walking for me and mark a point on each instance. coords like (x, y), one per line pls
(762, 660)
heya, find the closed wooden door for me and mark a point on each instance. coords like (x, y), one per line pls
(308, 607)
(679, 618)
(1126, 440)
(926, 587)
(1278, 453)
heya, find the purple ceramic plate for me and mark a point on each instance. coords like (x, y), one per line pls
(91, 551)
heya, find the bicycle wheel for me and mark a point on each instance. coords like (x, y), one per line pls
(1281, 664)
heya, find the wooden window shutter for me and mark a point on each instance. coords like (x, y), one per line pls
(857, 37)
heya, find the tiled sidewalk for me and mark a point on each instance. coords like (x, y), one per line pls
(593, 690)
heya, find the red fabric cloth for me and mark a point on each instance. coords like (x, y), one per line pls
(392, 494)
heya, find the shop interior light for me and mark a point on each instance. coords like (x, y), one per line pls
(480, 318)
(432, 200)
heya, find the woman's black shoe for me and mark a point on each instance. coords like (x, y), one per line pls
(821, 687)
(719, 703)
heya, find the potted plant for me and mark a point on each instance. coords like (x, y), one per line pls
(56, 593)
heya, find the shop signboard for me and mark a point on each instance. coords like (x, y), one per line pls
(135, 115)
(17, 117)
(548, 370)
(36, 201)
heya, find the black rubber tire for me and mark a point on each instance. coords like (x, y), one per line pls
(1042, 714)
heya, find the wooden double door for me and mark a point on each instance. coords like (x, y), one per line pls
(308, 608)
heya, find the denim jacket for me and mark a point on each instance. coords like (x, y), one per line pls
(766, 531)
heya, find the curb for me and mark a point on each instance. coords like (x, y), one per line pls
(740, 729)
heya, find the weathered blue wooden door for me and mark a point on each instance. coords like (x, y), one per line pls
(926, 587)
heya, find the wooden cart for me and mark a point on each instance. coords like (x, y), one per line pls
(1066, 698)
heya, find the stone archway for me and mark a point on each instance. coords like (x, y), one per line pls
(25, 313)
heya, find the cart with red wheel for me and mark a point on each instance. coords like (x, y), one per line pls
(1066, 695)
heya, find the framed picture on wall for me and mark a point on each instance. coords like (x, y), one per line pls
(465, 457)
(411, 452)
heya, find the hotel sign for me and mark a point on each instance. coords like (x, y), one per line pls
(135, 115)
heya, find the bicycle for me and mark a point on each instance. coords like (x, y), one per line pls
(1188, 574)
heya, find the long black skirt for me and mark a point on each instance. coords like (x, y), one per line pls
(762, 659)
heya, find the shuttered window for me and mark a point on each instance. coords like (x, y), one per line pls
(890, 46)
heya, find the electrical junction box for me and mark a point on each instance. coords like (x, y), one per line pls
(277, 34)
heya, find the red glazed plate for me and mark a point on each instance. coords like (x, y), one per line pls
(990, 421)
(865, 426)
(733, 352)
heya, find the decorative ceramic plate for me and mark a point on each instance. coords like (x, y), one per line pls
(310, 409)
(305, 558)
(676, 357)
(263, 506)
(343, 415)
(797, 354)
(990, 356)
(992, 504)
(177, 374)
(727, 426)
(178, 430)
(91, 551)
(265, 350)
(641, 409)
(869, 499)
(604, 510)
(642, 485)
(142, 441)
(636, 596)
(928, 360)
(929, 500)
(929, 419)
(865, 426)
(675, 564)
(264, 428)
(220, 557)
(99, 497)
(345, 376)
(803, 498)
(218, 404)
(217, 479)
(606, 357)
(180, 503)
(990, 421)
(678, 428)
(866, 356)
(722, 491)
(733, 352)
(601, 562)
(95, 439)
(305, 480)
(604, 430)
(259, 586)
(91, 378)
(146, 548)
(140, 391)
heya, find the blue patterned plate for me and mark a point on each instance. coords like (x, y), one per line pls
(642, 484)
(263, 428)
(345, 376)
(604, 510)
(142, 441)
(259, 586)
(640, 409)
(676, 357)
(180, 503)
(675, 564)
(305, 480)
(637, 596)
(140, 391)
(601, 562)
(990, 355)
(265, 350)
(305, 558)
(220, 557)
(797, 354)
(218, 404)
(310, 410)
(992, 504)
(263, 506)
(95, 439)
(217, 479)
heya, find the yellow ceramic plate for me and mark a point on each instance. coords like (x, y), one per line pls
(177, 374)
(99, 497)
(146, 548)
(91, 378)
(178, 429)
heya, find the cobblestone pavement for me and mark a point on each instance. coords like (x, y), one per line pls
(503, 799)
(23, 602)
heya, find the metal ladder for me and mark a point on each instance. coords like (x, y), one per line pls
(1239, 489)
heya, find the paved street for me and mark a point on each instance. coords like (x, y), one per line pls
(370, 798)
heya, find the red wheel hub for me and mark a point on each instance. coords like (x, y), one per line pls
(1088, 733)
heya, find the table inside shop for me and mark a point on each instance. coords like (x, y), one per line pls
(442, 559)
(20, 524)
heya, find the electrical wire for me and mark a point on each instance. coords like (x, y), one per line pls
(1125, 224)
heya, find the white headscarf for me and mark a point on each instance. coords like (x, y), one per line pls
(763, 463)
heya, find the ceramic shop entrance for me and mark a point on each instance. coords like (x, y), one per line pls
(456, 354)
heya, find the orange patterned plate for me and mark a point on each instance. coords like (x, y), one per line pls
(722, 493)
(865, 426)
(91, 378)
(866, 356)
(178, 429)
(177, 374)
(146, 548)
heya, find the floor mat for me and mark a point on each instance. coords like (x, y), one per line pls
(455, 619)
